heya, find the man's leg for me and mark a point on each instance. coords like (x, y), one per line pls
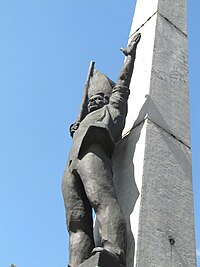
(79, 218)
(96, 174)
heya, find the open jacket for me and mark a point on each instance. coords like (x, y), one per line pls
(103, 126)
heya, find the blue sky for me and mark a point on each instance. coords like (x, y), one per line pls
(45, 50)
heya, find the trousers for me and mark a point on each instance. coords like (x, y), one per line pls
(88, 184)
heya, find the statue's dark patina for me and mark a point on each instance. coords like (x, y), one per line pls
(88, 179)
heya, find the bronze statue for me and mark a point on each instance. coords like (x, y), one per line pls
(87, 181)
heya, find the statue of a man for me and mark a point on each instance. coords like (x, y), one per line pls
(88, 178)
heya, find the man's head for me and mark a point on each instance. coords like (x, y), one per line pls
(97, 101)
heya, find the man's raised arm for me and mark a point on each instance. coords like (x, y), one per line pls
(125, 75)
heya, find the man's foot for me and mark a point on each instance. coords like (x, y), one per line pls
(131, 49)
(97, 249)
(115, 256)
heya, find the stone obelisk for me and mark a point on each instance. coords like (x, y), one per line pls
(152, 163)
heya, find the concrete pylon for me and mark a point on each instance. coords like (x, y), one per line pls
(152, 162)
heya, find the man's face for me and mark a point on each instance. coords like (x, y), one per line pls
(96, 102)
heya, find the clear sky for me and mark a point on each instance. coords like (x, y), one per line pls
(45, 50)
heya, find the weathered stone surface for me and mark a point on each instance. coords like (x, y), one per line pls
(155, 193)
(159, 86)
(169, 96)
(175, 12)
(166, 207)
(152, 163)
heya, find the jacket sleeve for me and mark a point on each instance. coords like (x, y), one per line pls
(119, 96)
(118, 109)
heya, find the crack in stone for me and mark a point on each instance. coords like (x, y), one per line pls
(147, 118)
(172, 24)
(179, 140)
(173, 76)
(134, 126)
(157, 12)
(142, 25)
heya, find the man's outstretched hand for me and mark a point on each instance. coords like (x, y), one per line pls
(131, 49)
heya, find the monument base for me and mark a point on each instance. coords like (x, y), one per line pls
(101, 259)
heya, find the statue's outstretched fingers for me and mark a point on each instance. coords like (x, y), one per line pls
(136, 37)
(131, 49)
